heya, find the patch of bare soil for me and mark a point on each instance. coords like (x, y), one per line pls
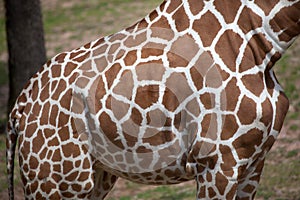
(18, 194)
(54, 4)
(123, 188)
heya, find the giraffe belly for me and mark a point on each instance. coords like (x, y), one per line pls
(160, 162)
(171, 174)
(142, 143)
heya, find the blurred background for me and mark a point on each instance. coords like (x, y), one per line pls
(70, 24)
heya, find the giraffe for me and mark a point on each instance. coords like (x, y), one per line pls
(188, 92)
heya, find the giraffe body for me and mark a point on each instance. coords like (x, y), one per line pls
(186, 93)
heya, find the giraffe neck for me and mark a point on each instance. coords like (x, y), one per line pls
(270, 26)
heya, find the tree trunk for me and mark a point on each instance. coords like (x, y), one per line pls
(26, 45)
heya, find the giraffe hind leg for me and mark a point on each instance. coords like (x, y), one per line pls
(212, 184)
(248, 185)
(104, 182)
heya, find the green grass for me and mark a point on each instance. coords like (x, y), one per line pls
(125, 198)
(3, 182)
(68, 27)
(281, 180)
(288, 74)
(93, 15)
(3, 45)
(101, 17)
(67, 19)
(292, 153)
(293, 115)
(294, 127)
(2, 29)
(174, 192)
(3, 179)
(284, 68)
